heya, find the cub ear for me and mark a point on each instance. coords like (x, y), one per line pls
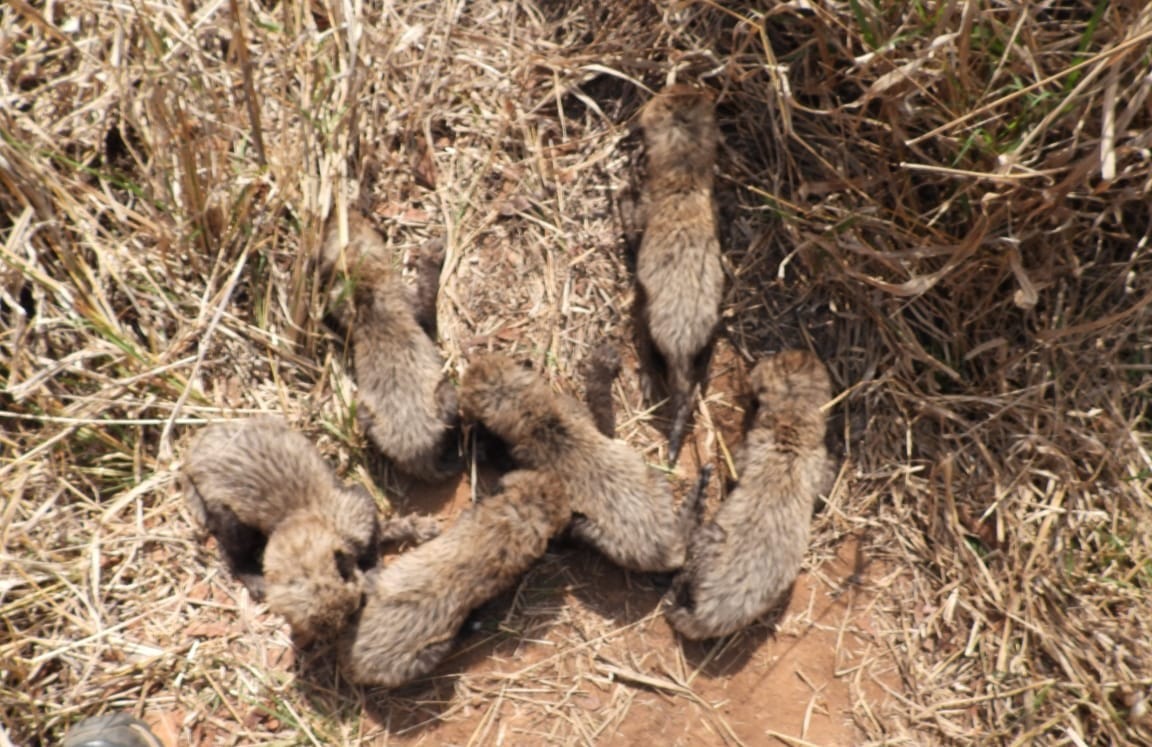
(549, 427)
(345, 565)
(683, 598)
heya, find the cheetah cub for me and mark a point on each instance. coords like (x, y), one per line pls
(289, 530)
(416, 604)
(623, 507)
(742, 563)
(405, 404)
(678, 268)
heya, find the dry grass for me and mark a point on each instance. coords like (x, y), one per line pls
(949, 201)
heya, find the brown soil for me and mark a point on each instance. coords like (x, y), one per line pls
(797, 681)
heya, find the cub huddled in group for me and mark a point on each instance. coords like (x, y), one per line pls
(296, 536)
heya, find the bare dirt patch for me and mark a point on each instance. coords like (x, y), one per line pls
(580, 650)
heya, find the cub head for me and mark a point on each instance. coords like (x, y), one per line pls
(791, 377)
(311, 576)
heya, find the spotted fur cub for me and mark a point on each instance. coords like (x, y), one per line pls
(416, 605)
(742, 563)
(405, 404)
(623, 507)
(678, 267)
(287, 527)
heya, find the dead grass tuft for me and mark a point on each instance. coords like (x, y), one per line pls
(949, 201)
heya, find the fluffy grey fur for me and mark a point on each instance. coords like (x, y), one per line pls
(417, 603)
(678, 267)
(288, 528)
(623, 508)
(405, 404)
(742, 563)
